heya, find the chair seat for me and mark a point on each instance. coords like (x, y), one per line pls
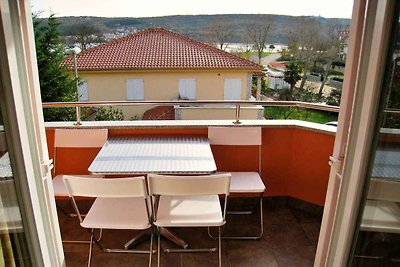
(189, 211)
(246, 182)
(381, 216)
(59, 187)
(117, 213)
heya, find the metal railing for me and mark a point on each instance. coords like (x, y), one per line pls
(237, 103)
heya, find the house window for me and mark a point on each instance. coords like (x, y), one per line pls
(83, 94)
(135, 89)
(187, 88)
(233, 89)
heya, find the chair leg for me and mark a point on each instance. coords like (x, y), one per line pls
(71, 215)
(255, 237)
(219, 247)
(151, 247)
(158, 247)
(66, 213)
(91, 248)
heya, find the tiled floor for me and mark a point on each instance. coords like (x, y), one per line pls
(290, 239)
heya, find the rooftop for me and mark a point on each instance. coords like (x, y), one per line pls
(154, 49)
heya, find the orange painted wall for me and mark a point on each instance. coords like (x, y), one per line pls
(310, 163)
(294, 161)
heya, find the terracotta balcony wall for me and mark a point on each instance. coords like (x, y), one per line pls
(294, 154)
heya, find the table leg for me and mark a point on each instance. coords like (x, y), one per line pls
(173, 237)
(139, 238)
(143, 235)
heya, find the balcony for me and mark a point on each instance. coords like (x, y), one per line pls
(294, 167)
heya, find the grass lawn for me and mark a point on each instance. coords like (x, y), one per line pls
(248, 54)
(294, 113)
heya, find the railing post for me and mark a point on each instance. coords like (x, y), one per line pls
(78, 116)
(237, 115)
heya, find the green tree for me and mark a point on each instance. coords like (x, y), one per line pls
(55, 83)
(331, 48)
(109, 114)
(334, 97)
(304, 38)
(292, 75)
(271, 47)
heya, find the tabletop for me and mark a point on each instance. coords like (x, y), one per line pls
(142, 155)
(387, 163)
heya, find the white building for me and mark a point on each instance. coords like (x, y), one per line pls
(276, 81)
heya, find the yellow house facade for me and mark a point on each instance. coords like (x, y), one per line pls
(156, 64)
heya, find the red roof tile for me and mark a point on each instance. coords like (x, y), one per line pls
(157, 49)
(160, 113)
(278, 64)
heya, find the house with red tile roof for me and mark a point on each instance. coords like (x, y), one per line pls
(156, 64)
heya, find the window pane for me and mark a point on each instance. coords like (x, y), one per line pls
(13, 250)
(134, 89)
(233, 89)
(377, 242)
(83, 91)
(187, 89)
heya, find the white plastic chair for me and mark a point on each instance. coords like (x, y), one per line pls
(121, 203)
(74, 138)
(189, 201)
(242, 182)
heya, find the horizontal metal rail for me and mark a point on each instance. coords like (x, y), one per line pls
(237, 103)
(392, 111)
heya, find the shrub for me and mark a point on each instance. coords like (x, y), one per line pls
(339, 79)
(339, 63)
(337, 73)
(109, 114)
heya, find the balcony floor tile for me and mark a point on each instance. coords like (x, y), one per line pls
(290, 239)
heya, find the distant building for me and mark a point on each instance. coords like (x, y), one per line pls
(276, 81)
(157, 64)
(276, 78)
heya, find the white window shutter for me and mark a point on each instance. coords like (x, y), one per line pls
(233, 89)
(187, 88)
(135, 89)
(83, 94)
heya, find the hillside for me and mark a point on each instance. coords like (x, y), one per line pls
(194, 26)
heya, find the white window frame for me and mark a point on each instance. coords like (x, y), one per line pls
(83, 91)
(187, 89)
(134, 89)
(21, 102)
(232, 86)
(368, 43)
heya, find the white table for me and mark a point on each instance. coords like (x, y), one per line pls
(387, 164)
(166, 155)
(127, 155)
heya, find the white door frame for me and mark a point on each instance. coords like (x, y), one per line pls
(368, 46)
(22, 115)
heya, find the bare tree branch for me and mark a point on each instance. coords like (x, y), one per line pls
(258, 34)
(221, 31)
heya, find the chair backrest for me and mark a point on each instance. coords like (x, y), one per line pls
(105, 188)
(80, 137)
(189, 185)
(239, 136)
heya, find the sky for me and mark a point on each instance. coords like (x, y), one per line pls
(153, 8)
